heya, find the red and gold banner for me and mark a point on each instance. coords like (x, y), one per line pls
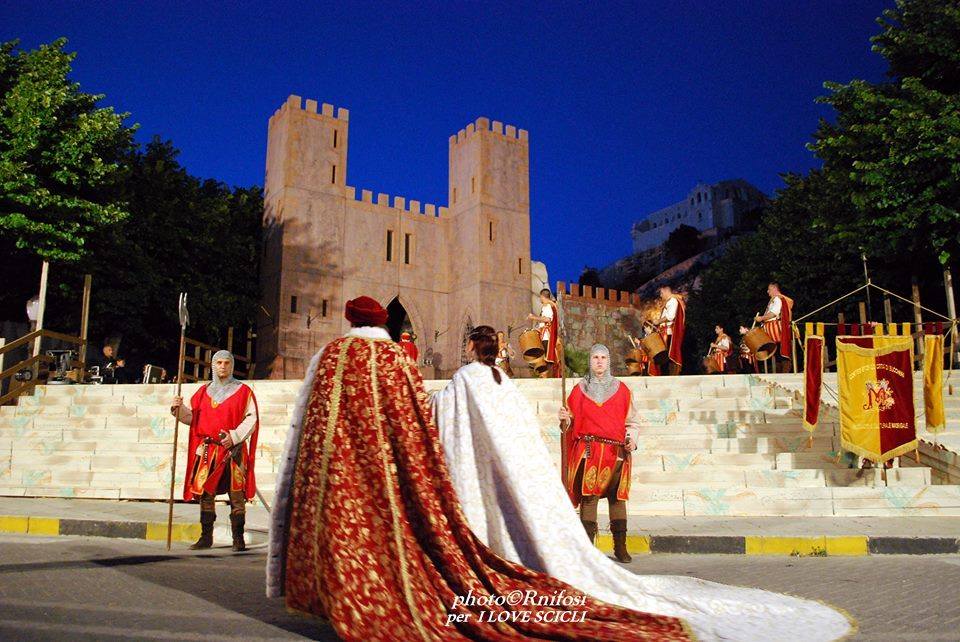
(933, 382)
(812, 380)
(875, 378)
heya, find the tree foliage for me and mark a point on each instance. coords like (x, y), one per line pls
(183, 234)
(895, 146)
(59, 155)
(889, 186)
(683, 243)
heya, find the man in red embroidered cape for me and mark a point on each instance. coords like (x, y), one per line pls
(366, 529)
(598, 446)
(672, 326)
(776, 323)
(548, 325)
(224, 422)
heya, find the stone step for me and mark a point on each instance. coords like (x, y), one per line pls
(810, 478)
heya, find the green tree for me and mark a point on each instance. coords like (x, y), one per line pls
(183, 234)
(895, 146)
(59, 155)
(809, 266)
(683, 243)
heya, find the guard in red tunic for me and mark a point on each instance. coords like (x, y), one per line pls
(604, 432)
(406, 342)
(776, 323)
(224, 422)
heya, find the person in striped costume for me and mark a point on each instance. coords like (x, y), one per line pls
(776, 323)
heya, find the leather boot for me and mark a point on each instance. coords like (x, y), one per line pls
(619, 529)
(236, 525)
(591, 528)
(206, 531)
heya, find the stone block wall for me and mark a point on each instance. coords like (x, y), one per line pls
(597, 315)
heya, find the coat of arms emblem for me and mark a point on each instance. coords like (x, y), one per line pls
(879, 393)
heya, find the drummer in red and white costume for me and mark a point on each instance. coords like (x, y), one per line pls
(776, 323)
(721, 348)
(548, 327)
(748, 360)
(671, 325)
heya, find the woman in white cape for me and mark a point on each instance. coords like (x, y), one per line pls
(511, 493)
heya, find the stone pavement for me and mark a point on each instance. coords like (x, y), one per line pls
(648, 534)
(86, 589)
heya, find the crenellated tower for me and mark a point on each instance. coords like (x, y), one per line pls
(437, 268)
(304, 195)
(489, 196)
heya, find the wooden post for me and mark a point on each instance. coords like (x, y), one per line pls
(951, 308)
(44, 273)
(250, 353)
(196, 363)
(863, 313)
(2, 343)
(887, 310)
(207, 359)
(793, 349)
(230, 339)
(917, 319)
(84, 322)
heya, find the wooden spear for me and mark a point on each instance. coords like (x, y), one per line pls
(184, 320)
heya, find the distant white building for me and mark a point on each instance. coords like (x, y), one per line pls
(707, 207)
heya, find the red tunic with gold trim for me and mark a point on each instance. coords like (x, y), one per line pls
(596, 439)
(205, 460)
(377, 541)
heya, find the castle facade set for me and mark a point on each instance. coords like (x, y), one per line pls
(325, 242)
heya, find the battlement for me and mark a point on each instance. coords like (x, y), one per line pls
(485, 125)
(399, 203)
(613, 298)
(294, 102)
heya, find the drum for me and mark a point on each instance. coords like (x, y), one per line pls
(635, 369)
(710, 365)
(635, 356)
(655, 348)
(539, 364)
(760, 344)
(530, 345)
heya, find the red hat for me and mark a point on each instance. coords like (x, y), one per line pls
(365, 311)
(405, 336)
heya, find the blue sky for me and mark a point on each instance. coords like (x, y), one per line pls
(628, 104)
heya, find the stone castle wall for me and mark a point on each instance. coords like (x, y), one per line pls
(326, 242)
(597, 315)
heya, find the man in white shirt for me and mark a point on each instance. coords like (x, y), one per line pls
(548, 327)
(776, 322)
(671, 325)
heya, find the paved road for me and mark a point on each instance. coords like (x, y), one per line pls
(108, 589)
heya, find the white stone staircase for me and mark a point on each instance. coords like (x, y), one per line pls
(719, 445)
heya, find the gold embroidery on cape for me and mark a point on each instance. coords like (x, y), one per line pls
(328, 446)
(394, 508)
